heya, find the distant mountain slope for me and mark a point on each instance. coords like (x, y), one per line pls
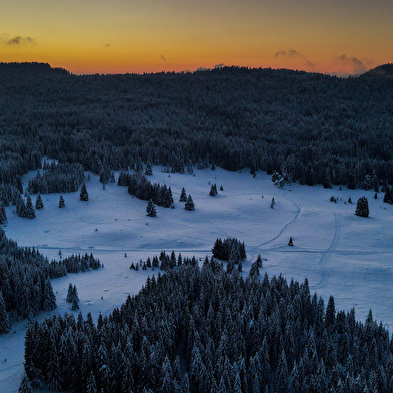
(384, 70)
(30, 68)
(311, 127)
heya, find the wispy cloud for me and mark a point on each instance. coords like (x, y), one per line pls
(357, 65)
(162, 57)
(107, 45)
(289, 53)
(17, 40)
(294, 54)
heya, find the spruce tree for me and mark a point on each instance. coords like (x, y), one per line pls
(183, 195)
(151, 209)
(61, 202)
(20, 206)
(3, 214)
(70, 293)
(5, 323)
(49, 302)
(30, 213)
(39, 204)
(84, 196)
(362, 207)
(149, 169)
(213, 190)
(25, 386)
(189, 204)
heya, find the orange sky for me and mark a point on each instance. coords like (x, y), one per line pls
(87, 36)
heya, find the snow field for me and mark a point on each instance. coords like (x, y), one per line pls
(341, 254)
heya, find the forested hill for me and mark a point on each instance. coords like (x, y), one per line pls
(313, 127)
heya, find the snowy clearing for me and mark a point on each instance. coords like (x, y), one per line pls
(341, 254)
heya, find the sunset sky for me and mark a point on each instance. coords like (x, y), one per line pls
(118, 36)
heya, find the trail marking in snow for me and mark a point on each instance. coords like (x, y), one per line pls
(325, 256)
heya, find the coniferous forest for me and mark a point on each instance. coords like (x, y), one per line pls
(206, 330)
(309, 127)
(193, 328)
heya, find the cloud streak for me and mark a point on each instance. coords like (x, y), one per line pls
(162, 57)
(18, 40)
(356, 64)
(294, 54)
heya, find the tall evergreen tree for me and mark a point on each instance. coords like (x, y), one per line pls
(151, 210)
(49, 302)
(61, 202)
(362, 209)
(183, 195)
(39, 204)
(84, 196)
(25, 386)
(5, 323)
(3, 214)
(189, 204)
(30, 213)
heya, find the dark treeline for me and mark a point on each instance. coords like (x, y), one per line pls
(139, 186)
(24, 281)
(74, 264)
(199, 330)
(168, 262)
(310, 127)
(25, 274)
(57, 178)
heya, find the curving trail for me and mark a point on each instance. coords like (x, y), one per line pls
(256, 249)
(325, 256)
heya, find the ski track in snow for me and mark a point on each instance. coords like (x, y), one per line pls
(257, 249)
(325, 257)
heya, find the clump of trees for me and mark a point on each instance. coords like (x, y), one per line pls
(229, 249)
(139, 186)
(57, 178)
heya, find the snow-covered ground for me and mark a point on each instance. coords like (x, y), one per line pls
(340, 254)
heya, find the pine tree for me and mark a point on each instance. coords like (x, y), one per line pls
(84, 196)
(273, 203)
(189, 204)
(70, 293)
(290, 243)
(213, 190)
(151, 209)
(149, 169)
(49, 303)
(5, 323)
(25, 386)
(29, 212)
(39, 204)
(75, 303)
(3, 214)
(61, 202)
(259, 261)
(183, 195)
(20, 206)
(388, 198)
(362, 207)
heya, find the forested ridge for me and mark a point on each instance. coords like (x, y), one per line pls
(206, 330)
(313, 128)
